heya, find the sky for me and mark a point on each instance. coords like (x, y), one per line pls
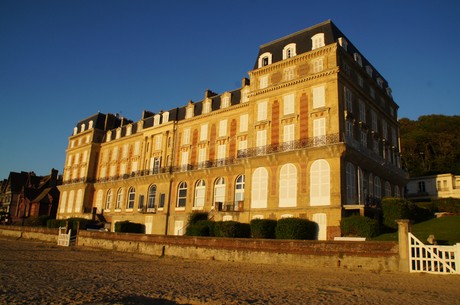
(63, 61)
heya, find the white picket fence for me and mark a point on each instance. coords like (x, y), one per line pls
(433, 258)
(65, 239)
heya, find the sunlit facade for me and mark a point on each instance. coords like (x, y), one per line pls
(312, 133)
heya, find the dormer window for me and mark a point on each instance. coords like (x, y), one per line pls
(165, 117)
(109, 136)
(90, 125)
(343, 43)
(244, 95)
(289, 51)
(189, 111)
(358, 59)
(225, 102)
(75, 130)
(388, 89)
(129, 129)
(369, 70)
(206, 106)
(265, 59)
(317, 41)
(380, 82)
(83, 127)
(156, 119)
(118, 134)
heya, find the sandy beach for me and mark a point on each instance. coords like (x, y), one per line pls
(33, 272)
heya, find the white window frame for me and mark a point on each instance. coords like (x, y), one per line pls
(244, 122)
(262, 57)
(317, 41)
(204, 132)
(223, 124)
(320, 184)
(289, 104)
(200, 194)
(319, 96)
(259, 189)
(288, 186)
(289, 51)
(262, 108)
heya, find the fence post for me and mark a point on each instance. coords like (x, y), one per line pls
(457, 258)
(404, 227)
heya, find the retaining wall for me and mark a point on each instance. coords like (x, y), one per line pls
(368, 255)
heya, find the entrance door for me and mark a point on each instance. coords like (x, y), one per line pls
(321, 220)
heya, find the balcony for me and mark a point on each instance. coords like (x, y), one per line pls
(229, 206)
(289, 146)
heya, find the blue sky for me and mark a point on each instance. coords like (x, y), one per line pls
(62, 61)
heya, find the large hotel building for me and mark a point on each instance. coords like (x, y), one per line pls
(312, 133)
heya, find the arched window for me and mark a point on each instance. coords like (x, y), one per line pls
(239, 189)
(397, 192)
(387, 189)
(219, 190)
(120, 198)
(265, 59)
(361, 186)
(99, 198)
(351, 183)
(288, 186)
(79, 202)
(70, 202)
(151, 197)
(62, 202)
(131, 197)
(317, 41)
(200, 194)
(371, 185)
(181, 195)
(320, 183)
(108, 200)
(377, 188)
(259, 193)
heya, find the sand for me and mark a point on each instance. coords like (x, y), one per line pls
(33, 272)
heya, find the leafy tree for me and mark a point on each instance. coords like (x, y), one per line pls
(431, 145)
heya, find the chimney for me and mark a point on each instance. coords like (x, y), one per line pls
(244, 82)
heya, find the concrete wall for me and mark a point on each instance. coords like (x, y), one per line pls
(368, 255)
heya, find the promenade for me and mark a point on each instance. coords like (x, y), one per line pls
(33, 272)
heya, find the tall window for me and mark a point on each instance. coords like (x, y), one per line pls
(289, 74)
(158, 140)
(99, 199)
(204, 132)
(131, 198)
(186, 136)
(151, 196)
(351, 184)
(387, 189)
(184, 160)
(288, 104)
(181, 195)
(70, 201)
(201, 157)
(289, 51)
(156, 165)
(377, 188)
(219, 190)
(108, 200)
(221, 152)
(320, 183)
(200, 193)
(120, 198)
(244, 123)
(319, 99)
(262, 111)
(261, 141)
(62, 202)
(288, 136)
(239, 189)
(259, 193)
(319, 131)
(288, 186)
(223, 128)
(362, 111)
(348, 99)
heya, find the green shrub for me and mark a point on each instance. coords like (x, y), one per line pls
(450, 205)
(396, 208)
(194, 217)
(357, 225)
(56, 223)
(39, 221)
(129, 227)
(200, 228)
(263, 228)
(232, 229)
(296, 228)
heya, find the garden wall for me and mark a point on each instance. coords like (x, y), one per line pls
(368, 255)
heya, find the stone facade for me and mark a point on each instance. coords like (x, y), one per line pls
(433, 187)
(312, 133)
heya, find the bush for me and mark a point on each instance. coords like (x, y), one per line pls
(357, 225)
(39, 221)
(450, 205)
(56, 223)
(396, 208)
(129, 227)
(195, 217)
(232, 229)
(296, 228)
(263, 228)
(200, 228)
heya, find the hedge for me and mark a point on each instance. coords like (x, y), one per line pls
(263, 228)
(450, 205)
(232, 229)
(200, 228)
(129, 227)
(357, 225)
(396, 208)
(296, 228)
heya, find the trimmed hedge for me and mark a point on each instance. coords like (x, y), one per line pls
(450, 205)
(263, 228)
(232, 229)
(395, 208)
(357, 225)
(129, 227)
(296, 228)
(195, 217)
(200, 228)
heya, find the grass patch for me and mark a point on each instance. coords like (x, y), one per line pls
(444, 229)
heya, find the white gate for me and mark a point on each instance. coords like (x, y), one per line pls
(65, 239)
(433, 258)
